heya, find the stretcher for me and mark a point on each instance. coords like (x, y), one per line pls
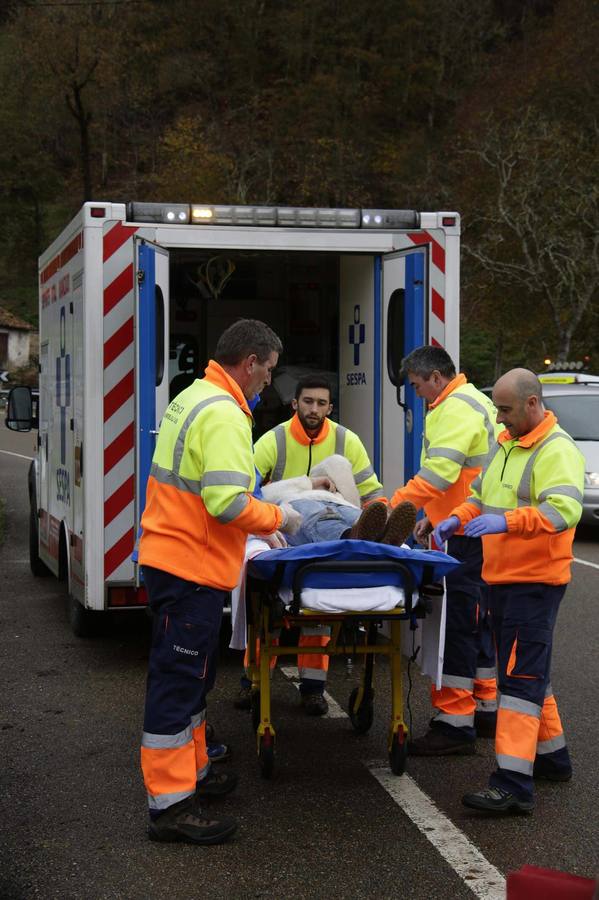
(282, 591)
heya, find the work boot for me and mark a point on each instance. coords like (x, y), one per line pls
(243, 700)
(544, 768)
(496, 800)
(485, 724)
(400, 524)
(217, 752)
(371, 524)
(185, 821)
(315, 704)
(438, 743)
(216, 785)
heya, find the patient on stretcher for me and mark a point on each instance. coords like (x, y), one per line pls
(329, 503)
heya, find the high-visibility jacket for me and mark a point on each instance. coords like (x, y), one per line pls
(459, 429)
(286, 451)
(199, 509)
(537, 481)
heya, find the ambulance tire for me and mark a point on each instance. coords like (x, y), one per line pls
(37, 566)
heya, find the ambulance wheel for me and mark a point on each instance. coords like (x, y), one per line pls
(255, 699)
(85, 623)
(37, 566)
(266, 754)
(361, 718)
(398, 753)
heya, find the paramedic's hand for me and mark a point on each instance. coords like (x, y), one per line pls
(489, 523)
(322, 483)
(292, 520)
(275, 541)
(422, 529)
(445, 529)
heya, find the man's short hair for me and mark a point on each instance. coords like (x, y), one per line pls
(308, 382)
(424, 360)
(244, 337)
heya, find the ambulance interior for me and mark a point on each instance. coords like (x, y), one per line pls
(296, 293)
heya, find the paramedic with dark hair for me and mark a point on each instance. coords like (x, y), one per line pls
(199, 511)
(525, 506)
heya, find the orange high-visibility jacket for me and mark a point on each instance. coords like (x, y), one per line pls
(199, 508)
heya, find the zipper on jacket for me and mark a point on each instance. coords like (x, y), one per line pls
(506, 459)
(309, 458)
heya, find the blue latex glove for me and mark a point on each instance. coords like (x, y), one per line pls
(490, 523)
(445, 529)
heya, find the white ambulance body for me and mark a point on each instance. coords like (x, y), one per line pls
(133, 298)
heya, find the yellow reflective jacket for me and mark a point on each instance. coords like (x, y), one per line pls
(537, 482)
(286, 451)
(199, 507)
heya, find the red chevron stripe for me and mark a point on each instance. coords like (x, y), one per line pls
(120, 393)
(118, 289)
(438, 304)
(437, 251)
(118, 553)
(120, 340)
(117, 502)
(115, 238)
(119, 448)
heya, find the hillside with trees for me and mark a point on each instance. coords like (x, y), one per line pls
(488, 107)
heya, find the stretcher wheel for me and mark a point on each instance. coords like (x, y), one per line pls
(255, 697)
(361, 718)
(266, 754)
(399, 752)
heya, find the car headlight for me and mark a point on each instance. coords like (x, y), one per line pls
(591, 479)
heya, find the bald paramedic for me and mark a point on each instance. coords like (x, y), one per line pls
(459, 429)
(199, 511)
(291, 449)
(525, 506)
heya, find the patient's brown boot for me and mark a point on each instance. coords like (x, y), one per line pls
(400, 524)
(371, 524)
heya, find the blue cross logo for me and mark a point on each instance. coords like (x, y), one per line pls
(357, 334)
(63, 385)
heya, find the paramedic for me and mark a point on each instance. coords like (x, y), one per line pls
(459, 429)
(291, 449)
(525, 506)
(198, 512)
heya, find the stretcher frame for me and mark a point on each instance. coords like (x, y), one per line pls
(267, 614)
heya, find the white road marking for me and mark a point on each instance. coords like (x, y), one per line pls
(20, 455)
(477, 873)
(483, 879)
(585, 562)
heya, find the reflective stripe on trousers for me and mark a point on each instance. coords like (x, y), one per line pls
(186, 627)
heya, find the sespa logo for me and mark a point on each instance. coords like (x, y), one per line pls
(357, 337)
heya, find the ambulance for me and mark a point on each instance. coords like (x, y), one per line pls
(132, 299)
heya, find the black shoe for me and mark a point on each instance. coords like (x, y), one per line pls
(371, 524)
(543, 769)
(400, 524)
(185, 821)
(438, 743)
(243, 700)
(315, 704)
(485, 724)
(496, 800)
(216, 785)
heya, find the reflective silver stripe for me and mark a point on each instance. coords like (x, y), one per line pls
(486, 705)
(494, 450)
(514, 764)
(551, 746)
(166, 476)
(496, 510)
(457, 681)
(486, 673)
(475, 502)
(238, 479)
(565, 490)
(314, 674)
(180, 443)
(456, 721)
(234, 509)
(364, 475)
(163, 801)
(447, 453)
(515, 704)
(201, 773)
(479, 408)
(477, 484)
(524, 488)
(554, 516)
(198, 719)
(432, 478)
(340, 433)
(166, 741)
(281, 442)
(548, 691)
(475, 462)
(372, 495)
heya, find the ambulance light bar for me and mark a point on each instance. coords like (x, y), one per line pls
(281, 216)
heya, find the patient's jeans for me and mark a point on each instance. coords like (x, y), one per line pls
(322, 521)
